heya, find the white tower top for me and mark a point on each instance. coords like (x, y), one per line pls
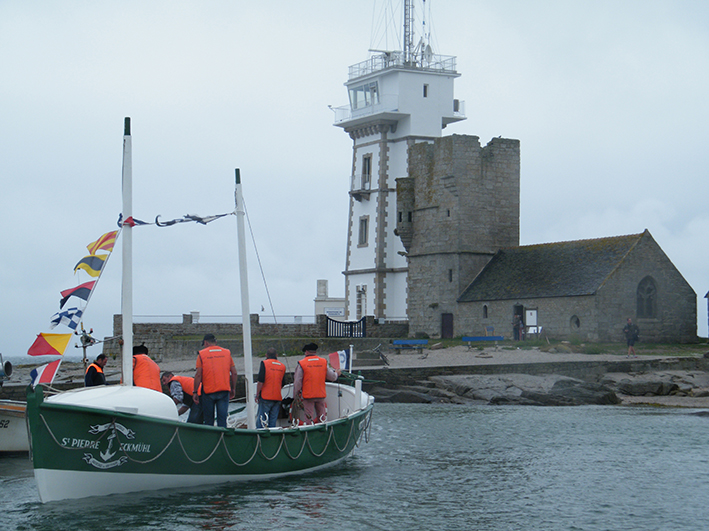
(396, 98)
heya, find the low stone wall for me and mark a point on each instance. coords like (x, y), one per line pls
(183, 340)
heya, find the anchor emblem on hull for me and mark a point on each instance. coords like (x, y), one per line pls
(108, 453)
(105, 464)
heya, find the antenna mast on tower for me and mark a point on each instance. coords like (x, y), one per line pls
(408, 31)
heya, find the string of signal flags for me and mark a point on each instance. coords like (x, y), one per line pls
(93, 264)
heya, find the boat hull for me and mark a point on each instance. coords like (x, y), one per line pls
(82, 451)
(13, 427)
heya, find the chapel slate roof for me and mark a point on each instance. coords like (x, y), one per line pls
(562, 269)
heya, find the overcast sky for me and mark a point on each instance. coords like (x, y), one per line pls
(608, 98)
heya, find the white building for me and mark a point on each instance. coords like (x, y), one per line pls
(396, 99)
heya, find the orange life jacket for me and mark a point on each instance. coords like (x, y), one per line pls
(97, 367)
(187, 383)
(273, 380)
(146, 373)
(215, 363)
(314, 376)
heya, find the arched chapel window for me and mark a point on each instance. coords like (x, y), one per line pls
(647, 298)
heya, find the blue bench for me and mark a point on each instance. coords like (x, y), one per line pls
(418, 344)
(473, 339)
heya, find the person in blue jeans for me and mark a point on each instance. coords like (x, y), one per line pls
(216, 374)
(268, 390)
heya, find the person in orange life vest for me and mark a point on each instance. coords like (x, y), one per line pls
(309, 384)
(146, 372)
(181, 390)
(216, 374)
(268, 389)
(94, 373)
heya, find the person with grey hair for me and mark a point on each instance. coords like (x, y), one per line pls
(268, 389)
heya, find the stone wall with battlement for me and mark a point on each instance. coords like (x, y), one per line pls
(458, 206)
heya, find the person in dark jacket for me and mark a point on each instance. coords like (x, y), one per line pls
(94, 373)
(631, 333)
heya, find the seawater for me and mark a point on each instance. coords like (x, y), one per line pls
(438, 467)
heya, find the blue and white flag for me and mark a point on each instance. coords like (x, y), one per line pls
(70, 317)
(340, 360)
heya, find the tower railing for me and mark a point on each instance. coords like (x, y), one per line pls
(431, 63)
(388, 103)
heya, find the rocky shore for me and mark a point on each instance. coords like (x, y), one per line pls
(533, 377)
(493, 375)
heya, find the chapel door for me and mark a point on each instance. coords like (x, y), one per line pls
(447, 326)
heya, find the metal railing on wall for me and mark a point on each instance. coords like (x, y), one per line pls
(346, 328)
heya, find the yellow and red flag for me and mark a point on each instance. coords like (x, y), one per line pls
(49, 345)
(104, 243)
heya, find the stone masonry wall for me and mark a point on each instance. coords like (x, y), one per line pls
(465, 207)
(183, 340)
(554, 315)
(601, 317)
(675, 320)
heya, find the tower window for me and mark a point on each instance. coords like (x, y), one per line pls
(366, 171)
(364, 96)
(361, 301)
(450, 275)
(411, 216)
(425, 90)
(363, 231)
(484, 311)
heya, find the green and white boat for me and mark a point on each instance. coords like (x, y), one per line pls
(116, 439)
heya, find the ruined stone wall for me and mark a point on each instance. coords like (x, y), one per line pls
(465, 207)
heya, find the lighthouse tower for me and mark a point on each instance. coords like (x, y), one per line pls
(396, 99)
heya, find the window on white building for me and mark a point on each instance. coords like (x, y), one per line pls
(364, 96)
(361, 301)
(363, 239)
(366, 171)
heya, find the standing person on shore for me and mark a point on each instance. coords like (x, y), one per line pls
(631, 333)
(518, 328)
(94, 372)
(309, 384)
(268, 389)
(146, 372)
(181, 390)
(216, 374)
